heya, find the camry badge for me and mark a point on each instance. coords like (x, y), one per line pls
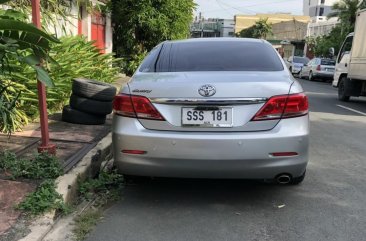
(207, 90)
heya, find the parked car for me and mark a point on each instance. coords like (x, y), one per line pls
(212, 108)
(318, 68)
(295, 64)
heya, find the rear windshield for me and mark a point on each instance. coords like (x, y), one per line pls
(301, 60)
(216, 56)
(327, 62)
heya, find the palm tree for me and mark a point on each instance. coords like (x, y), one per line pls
(262, 28)
(346, 11)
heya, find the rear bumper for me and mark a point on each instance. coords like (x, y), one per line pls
(211, 155)
(324, 74)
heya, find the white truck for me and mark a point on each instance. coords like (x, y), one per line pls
(350, 71)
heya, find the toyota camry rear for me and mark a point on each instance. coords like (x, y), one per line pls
(212, 108)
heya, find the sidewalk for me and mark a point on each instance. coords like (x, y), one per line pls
(73, 142)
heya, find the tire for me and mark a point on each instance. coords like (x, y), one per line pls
(311, 77)
(93, 89)
(90, 106)
(298, 180)
(341, 90)
(77, 117)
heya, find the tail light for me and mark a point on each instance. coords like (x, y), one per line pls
(283, 106)
(135, 106)
(318, 68)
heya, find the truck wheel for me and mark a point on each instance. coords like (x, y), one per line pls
(342, 89)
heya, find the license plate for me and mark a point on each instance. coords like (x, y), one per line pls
(212, 117)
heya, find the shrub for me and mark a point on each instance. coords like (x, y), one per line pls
(11, 118)
(74, 57)
(44, 199)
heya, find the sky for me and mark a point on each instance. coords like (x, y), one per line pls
(229, 8)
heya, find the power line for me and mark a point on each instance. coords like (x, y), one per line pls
(254, 5)
(233, 7)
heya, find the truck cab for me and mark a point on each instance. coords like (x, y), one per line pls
(342, 61)
(350, 74)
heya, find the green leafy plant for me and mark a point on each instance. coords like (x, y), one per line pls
(41, 166)
(24, 43)
(85, 223)
(21, 43)
(44, 199)
(261, 29)
(98, 192)
(107, 185)
(74, 57)
(11, 118)
(141, 25)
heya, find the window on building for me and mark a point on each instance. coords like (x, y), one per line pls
(321, 11)
(322, 1)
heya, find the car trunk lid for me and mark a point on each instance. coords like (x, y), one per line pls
(238, 95)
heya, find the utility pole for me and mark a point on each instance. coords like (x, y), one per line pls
(45, 145)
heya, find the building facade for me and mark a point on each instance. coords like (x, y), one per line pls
(226, 27)
(94, 25)
(316, 29)
(288, 38)
(318, 9)
(212, 27)
(246, 21)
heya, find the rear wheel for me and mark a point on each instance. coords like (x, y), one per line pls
(300, 75)
(311, 76)
(342, 89)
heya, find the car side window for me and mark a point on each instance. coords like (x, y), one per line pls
(346, 48)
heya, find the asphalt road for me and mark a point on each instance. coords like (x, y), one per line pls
(329, 205)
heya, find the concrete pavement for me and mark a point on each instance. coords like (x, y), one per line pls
(329, 205)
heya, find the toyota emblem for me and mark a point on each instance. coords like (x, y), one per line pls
(207, 90)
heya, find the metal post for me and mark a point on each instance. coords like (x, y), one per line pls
(45, 146)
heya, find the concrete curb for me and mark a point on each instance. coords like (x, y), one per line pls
(67, 185)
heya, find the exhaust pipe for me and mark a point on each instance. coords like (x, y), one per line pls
(283, 179)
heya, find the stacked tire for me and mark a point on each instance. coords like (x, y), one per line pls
(90, 102)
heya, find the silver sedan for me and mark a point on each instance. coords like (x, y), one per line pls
(212, 108)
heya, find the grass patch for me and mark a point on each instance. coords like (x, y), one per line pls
(43, 199)
(85, 223)
(40, 166)
(107, 187)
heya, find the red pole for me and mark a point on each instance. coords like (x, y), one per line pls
(45, 146)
